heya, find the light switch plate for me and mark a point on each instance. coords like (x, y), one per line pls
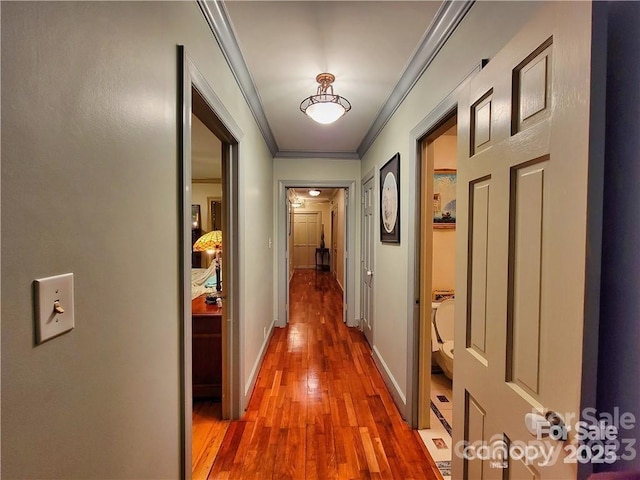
(49, 322)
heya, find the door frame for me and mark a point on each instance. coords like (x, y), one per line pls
(221, 123)
(282, 318)
(415, 340)
(426, 236)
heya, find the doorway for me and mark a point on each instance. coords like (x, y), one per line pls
(209, 199)
(316, 239)
(305, 232)
(437, 282)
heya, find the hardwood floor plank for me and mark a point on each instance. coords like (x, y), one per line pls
(208, 431)
(320, 408)
(369, 451)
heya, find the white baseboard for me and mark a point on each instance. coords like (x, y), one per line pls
(253, 376)
(396, 392)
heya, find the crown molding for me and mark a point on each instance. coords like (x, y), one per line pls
(447, 18)
(333, 155)
(443, 25)
(207, 180)
(218, 20)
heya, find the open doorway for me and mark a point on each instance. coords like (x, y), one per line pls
(316, 240)
(209, 251)
(437, 279)
(207, 200)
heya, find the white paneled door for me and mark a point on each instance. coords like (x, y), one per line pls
(367, 258)
(306, 238)
(529, 208)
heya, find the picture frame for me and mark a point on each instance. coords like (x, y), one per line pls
(215, 213)
(390, 201)
(195, 217)
(444, 198)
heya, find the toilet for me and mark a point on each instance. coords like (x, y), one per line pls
(443, 320)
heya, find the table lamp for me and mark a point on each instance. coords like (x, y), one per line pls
(211, 242)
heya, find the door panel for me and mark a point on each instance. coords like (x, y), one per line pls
(524, 213)
(306, 238)
(367, 259)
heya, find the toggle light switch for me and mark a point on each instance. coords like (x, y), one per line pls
(54, 306)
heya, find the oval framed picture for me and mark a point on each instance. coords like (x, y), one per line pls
(390, 201)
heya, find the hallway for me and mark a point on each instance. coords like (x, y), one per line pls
(320, 408)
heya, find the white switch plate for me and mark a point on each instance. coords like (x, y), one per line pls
(50, 323)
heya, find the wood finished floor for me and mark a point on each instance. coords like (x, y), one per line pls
(208, 430)
(320, 409)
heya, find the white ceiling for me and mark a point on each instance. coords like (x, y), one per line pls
(367, 45)
(302, 193)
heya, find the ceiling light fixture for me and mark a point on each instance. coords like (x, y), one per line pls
(314, 192)
(325, 107)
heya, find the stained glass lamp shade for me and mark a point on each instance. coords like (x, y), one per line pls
(210, 242)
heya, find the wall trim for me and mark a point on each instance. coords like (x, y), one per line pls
(253, 376)
(430, 121)
(396, 392)
(442, 27)
(333, 155)
(218, 20)
(216, 181)
(191, 79)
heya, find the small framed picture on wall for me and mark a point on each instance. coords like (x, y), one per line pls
(444, 199)
(195, 217)
(390, 201)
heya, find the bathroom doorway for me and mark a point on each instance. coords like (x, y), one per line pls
(437, 279)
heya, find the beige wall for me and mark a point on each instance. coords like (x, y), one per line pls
(338, 199)
(485, 29)
(444, 240)
(199, 194)
(89, 142)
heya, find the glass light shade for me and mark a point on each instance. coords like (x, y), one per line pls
(314, 193)
(325, 112)
(209, 242)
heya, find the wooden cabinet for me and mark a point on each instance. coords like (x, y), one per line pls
(206, 349)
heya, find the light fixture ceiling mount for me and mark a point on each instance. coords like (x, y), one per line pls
(325, 106)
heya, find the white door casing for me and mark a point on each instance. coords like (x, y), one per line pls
(528, 251)
(368, 194)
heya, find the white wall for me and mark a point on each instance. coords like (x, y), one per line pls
(485, 29)
(89, 132)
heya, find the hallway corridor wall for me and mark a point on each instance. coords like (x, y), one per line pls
(484, 30)
(89, 142)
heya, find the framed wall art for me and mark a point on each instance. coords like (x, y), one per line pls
(195, 217)
(390, 201)
(215, 213)
(444, 198)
